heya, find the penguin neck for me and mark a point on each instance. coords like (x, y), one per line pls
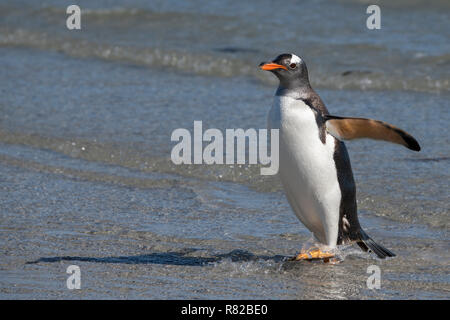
(295, 92)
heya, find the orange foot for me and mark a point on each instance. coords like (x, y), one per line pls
(314, 254)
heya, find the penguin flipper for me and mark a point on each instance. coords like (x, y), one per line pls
(357, 128)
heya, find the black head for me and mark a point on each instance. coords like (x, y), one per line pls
(289, 69)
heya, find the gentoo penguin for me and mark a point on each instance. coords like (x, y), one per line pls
(315, 168)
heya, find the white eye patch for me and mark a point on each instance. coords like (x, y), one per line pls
(295, 59)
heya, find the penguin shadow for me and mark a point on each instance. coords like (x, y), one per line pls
(175, 258)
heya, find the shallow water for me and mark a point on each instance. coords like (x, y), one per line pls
(85, 170)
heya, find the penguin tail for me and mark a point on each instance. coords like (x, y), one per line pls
(366, 243)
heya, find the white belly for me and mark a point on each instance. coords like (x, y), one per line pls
(307, 169)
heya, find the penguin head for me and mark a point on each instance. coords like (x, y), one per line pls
(290, 70)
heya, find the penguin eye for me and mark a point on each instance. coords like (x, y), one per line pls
(292, 65)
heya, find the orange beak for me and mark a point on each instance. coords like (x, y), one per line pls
(271, 66)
